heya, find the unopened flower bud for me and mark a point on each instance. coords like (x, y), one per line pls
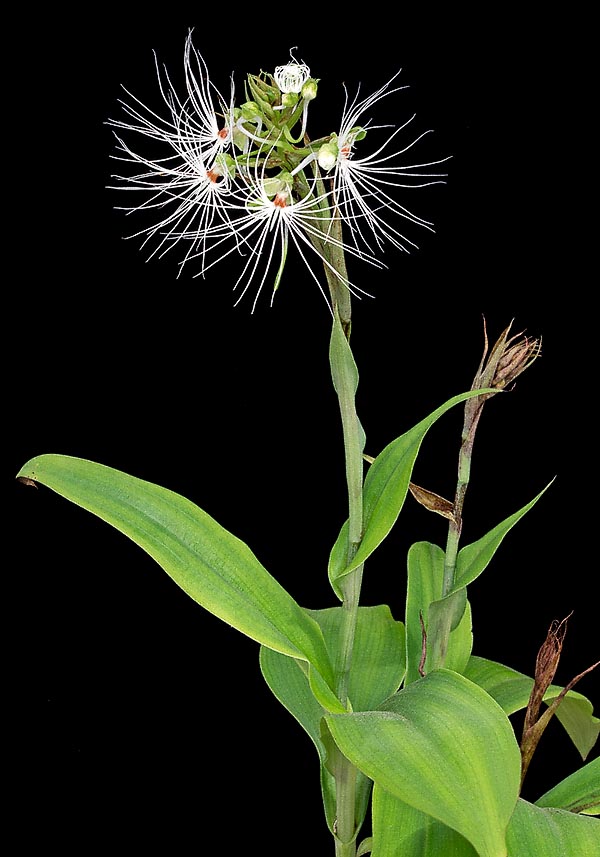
(289, 99)
(328, 155)
(261, 90)
(250, 111)
(309, 90)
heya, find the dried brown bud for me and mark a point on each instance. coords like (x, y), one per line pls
(508, 359)
(546, 665)
(545, 670)
(515, 359)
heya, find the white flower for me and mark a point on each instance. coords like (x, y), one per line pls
(193, 195)
(216, 195)
(265, 223)
(195, 119)
(363, 187)
(190, 182)
(292, 76)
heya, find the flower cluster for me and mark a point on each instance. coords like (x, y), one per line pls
(246, 178)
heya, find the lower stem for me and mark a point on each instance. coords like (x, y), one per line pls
(350, 585)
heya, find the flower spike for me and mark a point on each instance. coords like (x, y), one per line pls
(246, 178)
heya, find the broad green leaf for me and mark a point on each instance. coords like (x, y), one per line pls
(473, 558)
(376, 672)
(400, 830)
(378, 657)
(579, 792)
(385, 489)
(425, 582)
(443, 746)
(511, 690)
(549, 832)
(214, 567)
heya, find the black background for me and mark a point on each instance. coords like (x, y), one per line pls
(146, 715)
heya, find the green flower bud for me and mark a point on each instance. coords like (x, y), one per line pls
(250, 111)
(260, 89)
(309, 90)
(289, 99)
(328, 154)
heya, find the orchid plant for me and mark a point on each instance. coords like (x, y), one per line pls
(409, 725)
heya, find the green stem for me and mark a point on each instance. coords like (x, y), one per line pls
(345, 380)
(455, 525)
(440, 645)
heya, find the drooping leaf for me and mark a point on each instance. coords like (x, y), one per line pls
(511, 690)
(549, 832)
(376, 671)
(385, 489)
(400, 830)
(579, 792)
(443, 746)
(425, 582)
(214, 567)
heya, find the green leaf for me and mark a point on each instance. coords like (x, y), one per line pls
(376, 672)
(214, 567)
(385, 489)
(425, 584)
(378, 656)
(400, 830)
(345, 381)
(365, 847)
(511, 690)
(443, 746)
(580, 792)
(549, 832)
(473, 558)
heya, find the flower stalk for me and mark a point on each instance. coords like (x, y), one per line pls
(345, 380)
(510, 356)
